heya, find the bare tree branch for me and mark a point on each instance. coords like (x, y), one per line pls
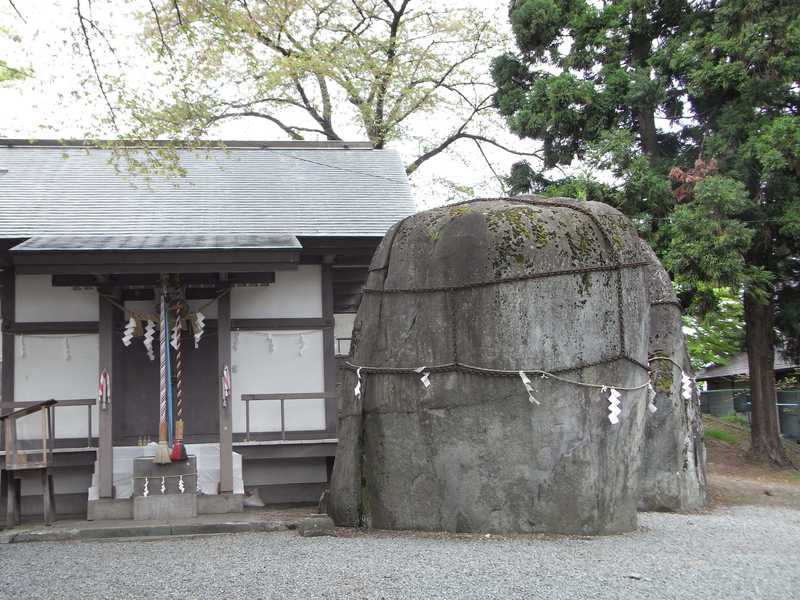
(178, 12)
(462, 135)
(490, 165)
(164, 44)
(87, 42)
(16, 10)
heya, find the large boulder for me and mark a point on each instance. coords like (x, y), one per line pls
(673, 474)
(525, 283)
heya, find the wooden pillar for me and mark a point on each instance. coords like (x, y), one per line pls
(7, 308)
(105, 450)
(328, 346)
(225, 412)
(7, 313)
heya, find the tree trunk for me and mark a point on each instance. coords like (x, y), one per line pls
(766, 443)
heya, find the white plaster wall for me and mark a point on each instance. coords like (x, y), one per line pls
(256, 370)
(295, 294)
(44, 372)
(38, 301)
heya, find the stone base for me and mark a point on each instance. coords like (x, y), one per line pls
(105, 509)
(161, 507)
(316, 526)
(144, 467)
(220, 504)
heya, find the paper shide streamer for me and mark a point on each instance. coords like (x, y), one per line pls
(651, 396)
(425, 379)
(149, 336)
(528, 387)
(127, 334)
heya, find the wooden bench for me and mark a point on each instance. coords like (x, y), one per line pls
(28, 463)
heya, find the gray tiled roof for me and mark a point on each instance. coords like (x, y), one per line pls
(295, 191)
(738, 366)
(70, 243)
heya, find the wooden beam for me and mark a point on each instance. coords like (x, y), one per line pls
(79, 268)
(273, 324)
(56, 327)
(225, 408)
(158, 257)
(105, 450)
(190, 280)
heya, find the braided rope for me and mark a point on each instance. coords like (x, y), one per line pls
(474, 369)
(178, 371)
(162, 347)
(502, 280)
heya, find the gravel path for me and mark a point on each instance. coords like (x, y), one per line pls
(742, 552)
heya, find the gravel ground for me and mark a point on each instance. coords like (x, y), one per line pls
(742, 552)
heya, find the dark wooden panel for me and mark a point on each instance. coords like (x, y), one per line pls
(136, 392)
(200, 412)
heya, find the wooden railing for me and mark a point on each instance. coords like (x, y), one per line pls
(248, 398)
(17, 460)
(8, 408)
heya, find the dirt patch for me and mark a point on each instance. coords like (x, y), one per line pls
(735, 479)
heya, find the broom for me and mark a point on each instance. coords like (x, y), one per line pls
(162, 453)
(178, 451)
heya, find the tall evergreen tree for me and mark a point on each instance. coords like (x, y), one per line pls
(693, 106)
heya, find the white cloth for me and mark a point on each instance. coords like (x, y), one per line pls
(207, 468)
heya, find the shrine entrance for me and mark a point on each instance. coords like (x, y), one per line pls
(136, 389)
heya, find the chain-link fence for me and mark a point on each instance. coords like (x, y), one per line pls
(720, 403)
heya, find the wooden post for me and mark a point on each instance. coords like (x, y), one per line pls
(105, 449)
(7, 301)
(225, 421)
(7, 308)
(328, 346)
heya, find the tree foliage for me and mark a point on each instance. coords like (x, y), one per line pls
(707, 92)
(310, 68)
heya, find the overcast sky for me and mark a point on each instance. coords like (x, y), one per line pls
(44, 105)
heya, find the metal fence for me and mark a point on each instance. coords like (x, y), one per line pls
(720, 403)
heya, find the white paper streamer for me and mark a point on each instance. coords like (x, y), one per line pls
(181, 486)
(163, 484)
(199, 327)
(67, 350)
(176, 332)
(613, 406)
(651, 396)
(127, 334)
(426, 376)
(529, 388)
(146, 491)
(357, 389)
(687, 386)
(149, 335)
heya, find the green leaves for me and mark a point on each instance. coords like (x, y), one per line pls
(706, 240)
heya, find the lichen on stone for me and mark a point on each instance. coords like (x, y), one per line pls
(516, 231)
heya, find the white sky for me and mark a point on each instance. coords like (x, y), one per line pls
(44, 106)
